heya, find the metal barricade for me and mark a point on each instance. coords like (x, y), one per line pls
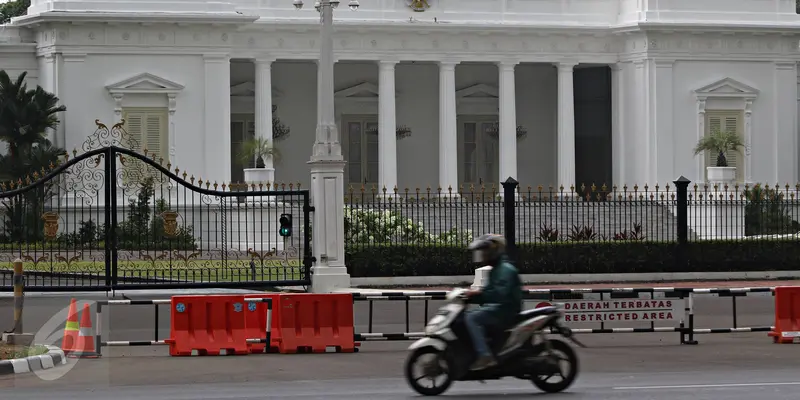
(686, 328)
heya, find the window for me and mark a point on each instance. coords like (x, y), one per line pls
(362, 150)
(147, 127)
(726, 120)
(479, 151)
(243, 128)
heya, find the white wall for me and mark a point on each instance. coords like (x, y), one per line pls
(719, 10)
(83, 91)
(659, 141)
(418, 108)
(522, 12)
(691, 75)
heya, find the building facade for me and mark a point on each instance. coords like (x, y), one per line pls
(436, 93)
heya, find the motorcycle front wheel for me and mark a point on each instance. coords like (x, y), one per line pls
(428, 365)
(561, 353)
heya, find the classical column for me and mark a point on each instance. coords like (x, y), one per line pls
(617, 125)
(785, 162)
(263, 109)
(217, 117)
(663, 119)
(448, 130)
(639, 136)
(566, 128)
(387, 125)
(507, 135)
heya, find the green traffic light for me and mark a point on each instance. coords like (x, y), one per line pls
(286, 225)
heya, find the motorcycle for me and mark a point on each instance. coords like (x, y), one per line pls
(523, 352)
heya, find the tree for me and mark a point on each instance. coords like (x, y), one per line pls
(14, 8)
(25, 116)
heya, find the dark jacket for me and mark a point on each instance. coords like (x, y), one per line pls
(502, 295)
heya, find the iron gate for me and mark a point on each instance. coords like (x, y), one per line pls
(113, 218)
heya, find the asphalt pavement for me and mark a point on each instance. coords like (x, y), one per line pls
(615, 366)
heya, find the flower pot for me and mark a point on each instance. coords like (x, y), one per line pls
(721, 174)
(259, 176)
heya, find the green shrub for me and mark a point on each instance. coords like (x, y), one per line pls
(766, 213)
(581, 258)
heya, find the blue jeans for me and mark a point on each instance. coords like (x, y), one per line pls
(478, 321)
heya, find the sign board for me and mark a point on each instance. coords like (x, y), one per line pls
(622, 310)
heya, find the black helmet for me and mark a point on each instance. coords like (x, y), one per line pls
(487, 249)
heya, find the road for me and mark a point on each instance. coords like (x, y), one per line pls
(616, 366)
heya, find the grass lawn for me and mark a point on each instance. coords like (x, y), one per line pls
(8, 352)
(193, 270)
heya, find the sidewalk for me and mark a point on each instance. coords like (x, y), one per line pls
(703, 284)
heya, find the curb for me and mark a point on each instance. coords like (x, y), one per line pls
(54, 357)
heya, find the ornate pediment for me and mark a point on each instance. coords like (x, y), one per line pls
(364, 89)
(248, 89)
(727, 87)
(479, 91)
(144, 83)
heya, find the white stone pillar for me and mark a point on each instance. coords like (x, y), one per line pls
(448, 129)
(639, 134)
(617, 124)
(566, 128)
(507, 135)
(664, 117)
(387, 126)
(263, 111)
(217, 117)
(785, 166)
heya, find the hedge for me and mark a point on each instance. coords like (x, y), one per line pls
(582, 258)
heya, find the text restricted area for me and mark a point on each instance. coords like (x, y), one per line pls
(622, 310)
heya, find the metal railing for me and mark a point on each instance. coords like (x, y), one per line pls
(687, 327)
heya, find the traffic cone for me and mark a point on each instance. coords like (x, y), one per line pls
(85, 347)
(70, 339)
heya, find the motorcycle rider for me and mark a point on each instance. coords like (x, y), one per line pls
(500, 298)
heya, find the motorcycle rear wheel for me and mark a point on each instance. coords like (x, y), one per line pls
(414, 381)
(569, 355)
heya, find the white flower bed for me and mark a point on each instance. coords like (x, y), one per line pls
(388, 227)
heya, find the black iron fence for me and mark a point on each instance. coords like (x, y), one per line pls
(112, 218)
(680, 226)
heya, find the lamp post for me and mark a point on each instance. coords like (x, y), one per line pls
(327, 167)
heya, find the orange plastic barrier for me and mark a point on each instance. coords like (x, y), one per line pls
(207, 325)
(256, 323)
(787, 314)
(315, 322)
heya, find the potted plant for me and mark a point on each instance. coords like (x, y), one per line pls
(720, 142)
(258, 151)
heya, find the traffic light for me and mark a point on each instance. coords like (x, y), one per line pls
(286, 225)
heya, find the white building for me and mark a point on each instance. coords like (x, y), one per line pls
(609, 91)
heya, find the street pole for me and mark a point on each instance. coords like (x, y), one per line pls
(327, 170)
(327, 145)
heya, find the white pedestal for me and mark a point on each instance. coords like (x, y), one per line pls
(259, 176)
(721, 175)
(327, 195)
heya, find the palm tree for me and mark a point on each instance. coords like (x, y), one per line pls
(257, 148)
(719, 142)
(25, 115)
